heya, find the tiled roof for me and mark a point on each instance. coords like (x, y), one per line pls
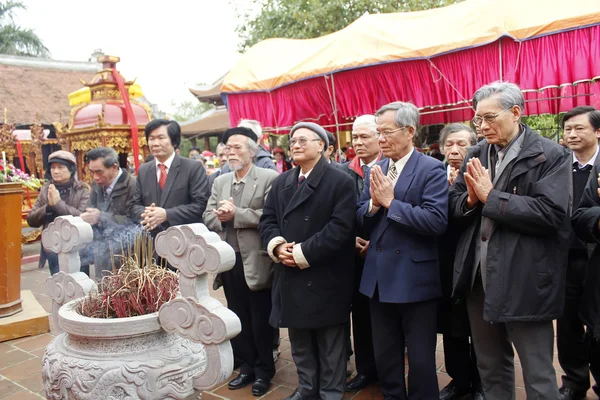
(27, 90)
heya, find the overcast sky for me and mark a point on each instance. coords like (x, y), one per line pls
(169, 46)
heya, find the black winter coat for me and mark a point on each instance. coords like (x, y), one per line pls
(585, 224)
(320, 214)
(527, 252)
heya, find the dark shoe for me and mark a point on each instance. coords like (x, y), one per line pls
(359, 382)
(294, 396)
(451, 392)
(478, 395)
(570, 394)
(260, 386)
(242, 380)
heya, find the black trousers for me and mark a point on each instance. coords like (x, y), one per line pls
(415, 324)
(361, 329)
(593, 351)
(320, 358)
(461, 362)
(570, 330)
(254, 345)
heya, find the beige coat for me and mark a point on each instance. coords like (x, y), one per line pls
(258, 267)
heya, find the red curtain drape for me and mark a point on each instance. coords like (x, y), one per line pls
(558, 65)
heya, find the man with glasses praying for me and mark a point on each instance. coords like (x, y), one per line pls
(308, 226)
(512, 195)
(403, 209)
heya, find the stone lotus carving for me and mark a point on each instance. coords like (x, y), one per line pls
(194, 250)
(66, 236)
(175, 353)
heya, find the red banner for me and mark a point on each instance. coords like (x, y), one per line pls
(130, 117)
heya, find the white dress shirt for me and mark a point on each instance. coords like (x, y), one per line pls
(168, 163)
(591, 161)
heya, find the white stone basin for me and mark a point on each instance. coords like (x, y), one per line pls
(76, 324)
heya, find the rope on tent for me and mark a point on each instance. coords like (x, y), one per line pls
(273, 111)
(333, 106)
(447, 81)
(518, 58)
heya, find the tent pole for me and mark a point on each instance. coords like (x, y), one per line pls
(500, 53)
(335, 114)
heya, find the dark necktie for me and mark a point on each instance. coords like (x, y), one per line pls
(104, 193)
(301, 179)
(585, 168)
(365, 171)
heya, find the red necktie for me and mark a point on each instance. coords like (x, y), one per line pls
(163, 176)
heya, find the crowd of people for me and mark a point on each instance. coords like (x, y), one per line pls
(487, 240)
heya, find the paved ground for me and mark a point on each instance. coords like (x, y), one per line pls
(20, 360)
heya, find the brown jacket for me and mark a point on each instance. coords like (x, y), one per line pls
(76, 203)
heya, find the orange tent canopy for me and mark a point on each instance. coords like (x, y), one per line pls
(379, 38)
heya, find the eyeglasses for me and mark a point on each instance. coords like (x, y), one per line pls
(302, 141)
(489, 118)
(386, 133)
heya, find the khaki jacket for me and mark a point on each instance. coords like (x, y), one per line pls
(258, 268)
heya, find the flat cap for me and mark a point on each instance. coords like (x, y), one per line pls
(63, 157)
(322, 133)
(239, 130)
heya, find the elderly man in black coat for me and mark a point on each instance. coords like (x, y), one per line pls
(308, 226)
(512, 193)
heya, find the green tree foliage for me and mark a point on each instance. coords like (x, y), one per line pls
(305, 19)
(189, 109)
(548, 125)
(15, 40)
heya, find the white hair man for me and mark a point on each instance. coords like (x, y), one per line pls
(233, 211)
(368, 153)
(263, 157)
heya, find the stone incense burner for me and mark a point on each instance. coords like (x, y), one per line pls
(174, 353)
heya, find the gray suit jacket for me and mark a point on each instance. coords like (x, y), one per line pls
(258, 267)
(184, 196)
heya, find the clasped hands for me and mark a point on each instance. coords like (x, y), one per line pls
(53, 195)
(285, 254)
(227, 210)
(153, 216)
(381, 189)
(478, 183)
(91, 216)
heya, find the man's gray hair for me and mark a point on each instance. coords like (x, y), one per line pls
(252, 148)
(252, 125)
(220, 146)
(407, 114)
(109, 155)
(510, 94)
(453, 128)
(367, 120)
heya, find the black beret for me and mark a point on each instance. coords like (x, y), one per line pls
(239, 130)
